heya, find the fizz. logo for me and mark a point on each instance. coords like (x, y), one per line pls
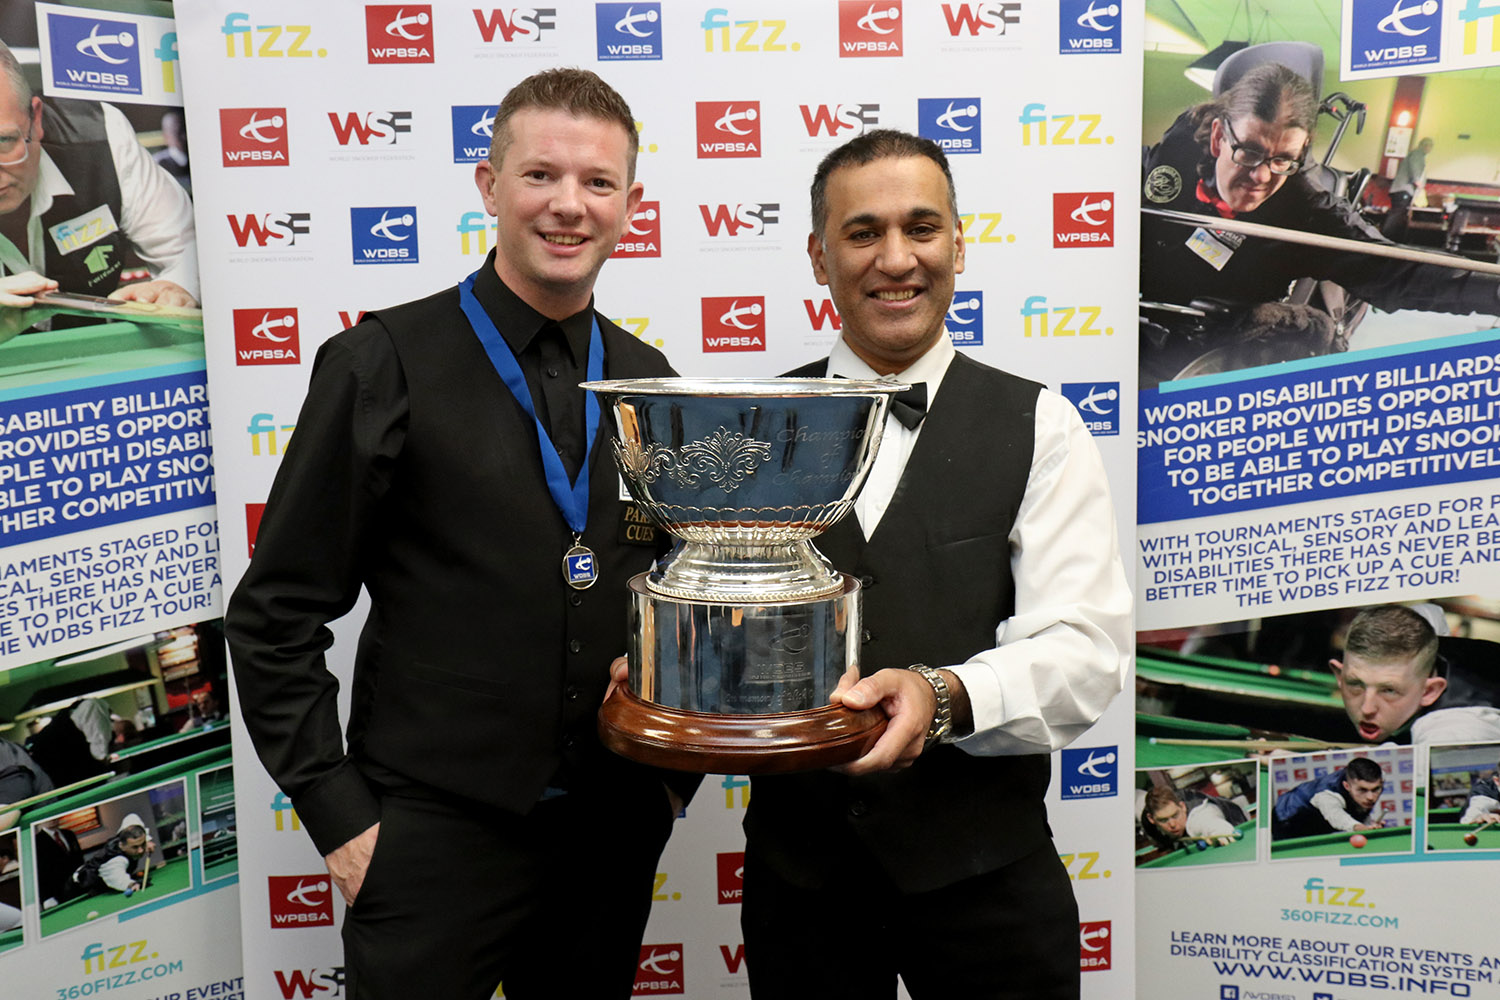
(1083, 219)
(97, 957)
(398, 34)
(282, 810)
(277, 41)
(325, 984)
(642, 236)
(254, 137)
(269, 230)
(836, 119)
(269, 438)
(521, 25)
(965, 320)
(1088, 26)
(731, 877)
(748, 219)
(266, 336)
(659, 972)
(1089, 772)
(92, 53)
(1094, 946)
(1469, 15)
(253, 513)
(980, 20)
(1316, 893)
(1394, 33)
(728, 129)
(735, 323)
(821, 314)
(1061, 321)
(628, 31)
(364, 127)
(735, 783)
(384, 235)
(473, 128)
(869, 28)
(1081, 866)
(300, 900)
(1042, 129)
(1098, 403)
(475, 230)
(951, 122)
(720, 34)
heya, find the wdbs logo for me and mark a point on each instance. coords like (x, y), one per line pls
(398, 34)
(965, 322)
(1083, 219)
(628, 30)
(385, 235)
(301, 900)
(660, 970)
(1088, 26)
(732, 877)
(869, 28)
(473, 128)
(1093, 946)
(951, 122)
(1090, 772)
(1394, 33)
(254, 137)
(642, 237)
(734, 323)
(89, 53)
(728, 129)
(266, 337)
(1098, 404)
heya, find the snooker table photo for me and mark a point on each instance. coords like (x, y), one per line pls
(1387, 840)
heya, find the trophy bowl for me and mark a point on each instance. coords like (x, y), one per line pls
(739, 635)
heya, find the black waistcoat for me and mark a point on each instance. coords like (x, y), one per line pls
(937, 582)
(76, 141)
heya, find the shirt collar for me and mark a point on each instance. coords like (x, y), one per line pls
(50, 184)
(519, 324)
(929, 368)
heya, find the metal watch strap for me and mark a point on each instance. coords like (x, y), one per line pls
(942, 716)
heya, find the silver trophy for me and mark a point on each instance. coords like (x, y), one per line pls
(741, 633)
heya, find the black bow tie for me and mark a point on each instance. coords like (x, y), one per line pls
(910, 406)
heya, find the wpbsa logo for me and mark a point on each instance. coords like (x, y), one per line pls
(1094, 946)
(398, 34)
(300, 900)
(869, 28)
(660, 970)
(364, 127)
(834, 120)
(748, 219)
(266, 337)
(1083, 219)
(642, 237)
(325, 984)
(521, 24)
(254, 137)
(269, 230)
(980, 20)
(734, 323)
(731, 877)
(728, 129)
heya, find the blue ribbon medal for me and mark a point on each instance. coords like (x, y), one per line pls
(580, 567)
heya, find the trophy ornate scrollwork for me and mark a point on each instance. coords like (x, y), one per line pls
(740, 634)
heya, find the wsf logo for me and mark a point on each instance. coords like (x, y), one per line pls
(869, 28)
(473, 128)
(1088, 26)
(253, 514)
(1098, 404)
(660, 970)
(325, 984)
(1083, 219)
(728, 129)
(269, 230)
(1394, 33)
(364, 127)
(628, 30)
(1090, 772)
(266, 337)
(300, 900)
(520, 27)
(1093, 946)
(952, 123)
(642, 237)
(398, 34)
(734, 323)
(834, 120)
(90, 53)
(254, 137)
(749, 219)
(386, 235)
(965, 322)
(980, 20)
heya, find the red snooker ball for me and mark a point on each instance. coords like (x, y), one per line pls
(1358, 840)
(1471, 839)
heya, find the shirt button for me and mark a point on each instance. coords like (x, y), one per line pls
(571, 691)
(858, 808)
(867, 581)
(574, 645)
(552, 373)
(575, 599)
(568, 742)
(865, 636)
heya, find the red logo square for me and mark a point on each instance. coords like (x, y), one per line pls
(728, 129)
(642, 237)
(253, 137)
(301, 900)
(1083, 219)
(660, 970)
(732, 877)
(1094, 946)
(398, 33)
(734, 323)
(869, 28)
(266, 336)
(253, 513)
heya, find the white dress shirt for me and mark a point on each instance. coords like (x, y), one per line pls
(1063, 655)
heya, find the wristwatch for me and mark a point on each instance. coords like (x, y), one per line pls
(942, 716)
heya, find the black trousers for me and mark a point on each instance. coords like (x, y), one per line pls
(1010, 934)
(459, 898)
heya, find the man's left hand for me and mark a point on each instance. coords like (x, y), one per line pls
(160, 291)
(909, 704)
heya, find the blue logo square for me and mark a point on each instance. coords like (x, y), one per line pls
(580, 566)
(1098, 403)
(473, 125)
(384, 235)
(1386, 33)
(1229, 993)
(1088, 27)
(965, 322)
(1090, 772)
(1322, 996)
(951, 122)
(628, 31)
(94, 53)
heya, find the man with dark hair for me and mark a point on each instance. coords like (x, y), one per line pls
(118, 866)
(985, 542)
(447, 461)
(1338, 802)
(1171, 816)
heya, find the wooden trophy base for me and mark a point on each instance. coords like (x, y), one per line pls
(735, 744)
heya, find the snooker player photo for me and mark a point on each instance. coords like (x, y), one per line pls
(1198, 814)
(1343, 802)
(10, 891)
(1463, 797)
